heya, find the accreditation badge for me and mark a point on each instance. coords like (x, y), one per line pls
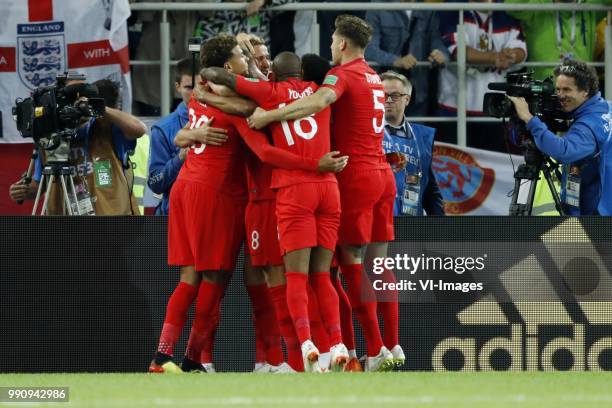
(411, 194)
(103, 174)
(572, 187)
(84, 202)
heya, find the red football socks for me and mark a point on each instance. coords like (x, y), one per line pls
(297, 301)
(319, 334)
(389, 310)
(327, 298)
(176, 314)
(363, 301)
(285, 324)
(205, 322)
(266, 326)
(346, 315)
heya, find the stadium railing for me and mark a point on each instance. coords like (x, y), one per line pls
(461, 63)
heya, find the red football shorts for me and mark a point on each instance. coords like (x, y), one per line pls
(367, 206)
(308, 215)
(262, 233)
(205, 227)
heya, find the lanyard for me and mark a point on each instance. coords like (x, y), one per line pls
(480, 23)
(416, 144)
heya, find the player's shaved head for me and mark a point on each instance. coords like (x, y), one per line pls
(287, 65)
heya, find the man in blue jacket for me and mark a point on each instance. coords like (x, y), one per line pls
(165, 158)
(589, 137)
(400, 39)
(417, 189)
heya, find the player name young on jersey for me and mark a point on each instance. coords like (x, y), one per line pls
(293, 94)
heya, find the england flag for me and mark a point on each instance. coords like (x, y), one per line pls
(42, 38)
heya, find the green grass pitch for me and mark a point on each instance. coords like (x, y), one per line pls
(408, 389)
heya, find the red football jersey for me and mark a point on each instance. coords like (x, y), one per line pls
(359, 113)
(259, 178)
(220, 167)
(307, 137)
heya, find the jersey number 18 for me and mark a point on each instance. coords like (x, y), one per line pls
(297, 128)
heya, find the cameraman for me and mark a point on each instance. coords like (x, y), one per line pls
(589, 137)
(99, 154)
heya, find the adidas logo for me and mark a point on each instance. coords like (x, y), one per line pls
(546, 334)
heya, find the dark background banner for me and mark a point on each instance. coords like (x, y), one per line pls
(89, 294)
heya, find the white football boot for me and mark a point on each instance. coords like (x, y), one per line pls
(310, 356)
(283, 368)
(381, 362)
(398, 355)
(339, 357)
(262, 368)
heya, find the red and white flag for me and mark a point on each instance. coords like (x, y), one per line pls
(42, 38)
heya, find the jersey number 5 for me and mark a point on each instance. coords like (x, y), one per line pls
(297, 128)
(379, 104)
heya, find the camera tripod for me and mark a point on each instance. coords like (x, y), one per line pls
(64, 172)
(535, 162)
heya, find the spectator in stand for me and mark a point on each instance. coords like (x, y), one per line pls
(557, 35)
(282, 35)
(401, 38)
(600, 43)
(599, 52)
(254, 20)
(165, 158)
(145, 79)
(494, 45)
(304, 19)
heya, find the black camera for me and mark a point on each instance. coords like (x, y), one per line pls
(52, 114)
(540, 96)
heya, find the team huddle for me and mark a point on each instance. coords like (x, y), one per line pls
(305, 184)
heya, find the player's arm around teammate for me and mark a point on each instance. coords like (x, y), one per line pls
(307, 206)
(367, 188)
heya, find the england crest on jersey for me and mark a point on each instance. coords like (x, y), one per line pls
(41, 53)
